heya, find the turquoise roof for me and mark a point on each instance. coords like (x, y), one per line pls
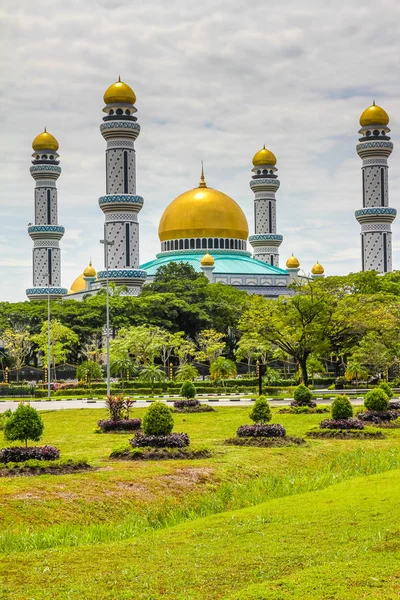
(234, 263)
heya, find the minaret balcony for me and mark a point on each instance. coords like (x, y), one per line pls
(118, 129)
(40, 293)
(45, 171)
(126, 277)
(120, 202)
(268, 185)
(376, 214)
(374, 148)
(46, 232)
(260, 239)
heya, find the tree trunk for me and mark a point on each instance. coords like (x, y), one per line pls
(303, 368)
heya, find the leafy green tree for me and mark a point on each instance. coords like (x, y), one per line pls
(222, 368)
(315, 367)
(89, 371)
(356, 371)
(158, 419)
(272, 376)
(17, 343)
(152, 374)
(62, 338)
(186, 372)
(24, 424)
(251, 347)
(210, 345)
(184, 349)
(261, 410)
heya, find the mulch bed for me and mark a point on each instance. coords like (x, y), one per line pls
(267, 442)
(161, 454)
(311, 411)
(195, 409)
(24, 471)
(340, 434)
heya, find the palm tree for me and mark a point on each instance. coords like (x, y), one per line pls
(152, 374)
(222, 368)
(355, 370)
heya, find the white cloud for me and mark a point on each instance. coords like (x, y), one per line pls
(214, 81)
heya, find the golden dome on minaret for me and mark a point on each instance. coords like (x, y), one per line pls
(203, 213)
(292, 263)
(207, 261)
(374, 115)
(317, 269)
(119, 92)
(264, 157)
(90, 271)
(45, 141)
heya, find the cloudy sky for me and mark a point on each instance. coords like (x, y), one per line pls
(214, 81)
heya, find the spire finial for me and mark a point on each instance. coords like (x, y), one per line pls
(45, 130)
(119, 78)
(264, 147)
(90, 262)
(202, 180)
(373, 102)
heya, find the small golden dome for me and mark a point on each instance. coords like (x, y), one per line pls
(203, 213)
(292, 263)
(317, 269)
(207, 261)
(374, 115)
(119, 92)
(264, 157)
(45, 141)
(90, 270)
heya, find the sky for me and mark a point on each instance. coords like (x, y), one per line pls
(214, 81)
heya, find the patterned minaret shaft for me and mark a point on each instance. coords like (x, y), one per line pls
(46, 232)
(121, 205)
(264, 184)
(376, 216)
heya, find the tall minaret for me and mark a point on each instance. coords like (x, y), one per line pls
(264, 184)
(121, 205)
(46, 232)
(375, 217)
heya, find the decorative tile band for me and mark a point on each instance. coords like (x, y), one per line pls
(257, 182)
(122, 274)
(265, 236)
(120, 125)
(375, 211)
(120, 199)
(38, 168)
(46, 291)
(46, 229)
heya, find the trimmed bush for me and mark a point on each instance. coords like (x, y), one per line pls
(302, 395)
(188, 390)
(341, 408)
(172, 440)
(376, 416)
(261, 411)
(182, 404)
(22, 453)
(386, 388)
(120, 425)
(376, 400)
(259, 430)
(24, 424)
(394, 405)
(39, 393)
(341, 424)
(158, 420)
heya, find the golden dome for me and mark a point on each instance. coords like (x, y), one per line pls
(292, 263)
(119, 92)
(203, 212)
(45, 141)
(264, 157)
(317, 269)
(78, 285)
(374, 115)
(90, 271)
(207, 261)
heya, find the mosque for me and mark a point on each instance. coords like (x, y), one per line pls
(203, 226)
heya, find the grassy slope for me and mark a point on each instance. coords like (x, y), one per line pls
(336, 543)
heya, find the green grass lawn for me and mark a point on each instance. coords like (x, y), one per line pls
(157, 530)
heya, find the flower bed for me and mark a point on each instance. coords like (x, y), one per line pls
(394, 405)
(40, 467)
(195, 409)
(266, 442)
(342, 424)
(109, 425)
(311, 404)
(261, 430)
(172, 440)
(22, 453)
(159, 454)
(342, 434)
(181, 404)
(304, 410)
(377, 416)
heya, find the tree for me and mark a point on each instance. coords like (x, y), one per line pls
(141, 343)
(18, 344)
(261, 411)
(152, 374)
(62, 338)
(272, 376)
(314, 367)
(158, 419)
(184, 349)
(251, 347)
(186, 372)
(355, 370)
(25, 424)
(373, 352)
(89, 371)
(210, 345)
(222, 368)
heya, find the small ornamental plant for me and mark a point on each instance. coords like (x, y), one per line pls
(188, 390)
(25, 424)
(158, 420)
(376, 400)
(119, 409)
(261, 411)
(303, 396)
(341, 408)
(386, 388)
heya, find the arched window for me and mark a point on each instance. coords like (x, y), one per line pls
(204, 243)
(222, 243)
(180, 244)
(127, 112)
(198, 243)
(111, 113)
(119, 111)
(210, 243)
(176, 244)
(231, 244)
(186, 244)
(192, 244)
(236, 244)
(216, 243)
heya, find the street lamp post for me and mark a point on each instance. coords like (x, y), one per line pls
(48, 342)
(107, 243)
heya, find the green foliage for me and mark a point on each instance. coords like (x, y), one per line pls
(222, 368)
(61, 340)
(261, 411)
(186, 372)
(89, 371)
(386, 388)
(376, 400)
(302, 395)
(341, 408)
(158, 419)
(3, 418)
(25, 424)
(188, 390)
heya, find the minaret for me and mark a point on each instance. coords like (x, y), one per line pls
(46, 232)
(293, 268)
(264, 184)
(207, 265)
(121, 204)
(375, 217)
(318, 271)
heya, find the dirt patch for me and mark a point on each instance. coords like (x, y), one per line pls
(346, 435)
(31, 471)
(161, 454)
(267, 442)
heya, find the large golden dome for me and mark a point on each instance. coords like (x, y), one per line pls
(78, 285)
(45, 141)
(203, 212)
(119, 92)
(374, 115)
(264, 157)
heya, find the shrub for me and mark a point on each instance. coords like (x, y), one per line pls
(386, 388)
(24, 424)
(121, 425)
(171, 440)
(260, 430)
(115, 405)
(261, 411)
(3, 418)
(180, 404)
(158, 420)
(341, 408)
(302, 395)
(39, 393)
(22, 453)
(341, 424)
(394, 405)
(376, 400)
(376, 416)
(188, 390)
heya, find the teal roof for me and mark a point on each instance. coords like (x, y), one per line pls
(225, 263)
